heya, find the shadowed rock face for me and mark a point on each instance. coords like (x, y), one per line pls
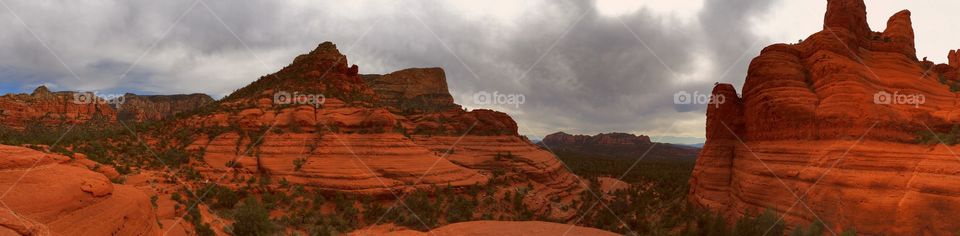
(414, 90)
(616, 145)
(156, 107)
(797, 128)
(371, 135)
(561, 138)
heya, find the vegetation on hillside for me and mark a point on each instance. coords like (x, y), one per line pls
(656, 203)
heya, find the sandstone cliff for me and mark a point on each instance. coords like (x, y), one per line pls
(45, 107)
(156, 107)
(833, 121)
(415, 90)
(376, 136)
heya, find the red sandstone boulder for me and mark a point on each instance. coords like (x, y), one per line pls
(49, 195)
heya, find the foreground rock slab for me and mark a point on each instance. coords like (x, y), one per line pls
(50, 194)
(499, 228)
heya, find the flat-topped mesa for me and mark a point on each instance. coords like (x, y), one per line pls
(617, 146)
(156, 107)
(414, 90)
(561, 138)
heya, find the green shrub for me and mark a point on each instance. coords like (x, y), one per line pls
(949, 138)
(251, 218)
(298, 163)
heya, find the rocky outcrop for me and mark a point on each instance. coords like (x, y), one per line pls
(156, 107)
(564, 139)
(954, 59)
(616, 145)
(44, 107)
(847, 15)
(825, 130)
(361, 138)
(48, 194)
(414, 90)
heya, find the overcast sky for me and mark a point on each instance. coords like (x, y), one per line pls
(582, 66)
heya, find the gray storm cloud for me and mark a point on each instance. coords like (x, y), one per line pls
(580, 71)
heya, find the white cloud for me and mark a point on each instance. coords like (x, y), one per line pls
(597, 78)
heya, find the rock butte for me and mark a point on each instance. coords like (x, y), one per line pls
(51, 194)
(616, 145)
(373, 135)
(156, 107)
(798, 125)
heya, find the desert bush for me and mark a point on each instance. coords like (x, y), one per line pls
(251, 218)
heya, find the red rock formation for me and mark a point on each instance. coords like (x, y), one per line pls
(561, 138)
(796, 133)
(48, 194)
(363, 139)
(45, 107)
(156, 107)
(53, 108)
(415, 90)
(616, 145)
(954, 59)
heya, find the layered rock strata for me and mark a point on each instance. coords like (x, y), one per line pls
(827, 130)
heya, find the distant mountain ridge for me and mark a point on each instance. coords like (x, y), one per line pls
(42, 106)
(617, 145)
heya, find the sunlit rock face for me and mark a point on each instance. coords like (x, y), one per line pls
(371, 135)
(51, 194)
(833, 120)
